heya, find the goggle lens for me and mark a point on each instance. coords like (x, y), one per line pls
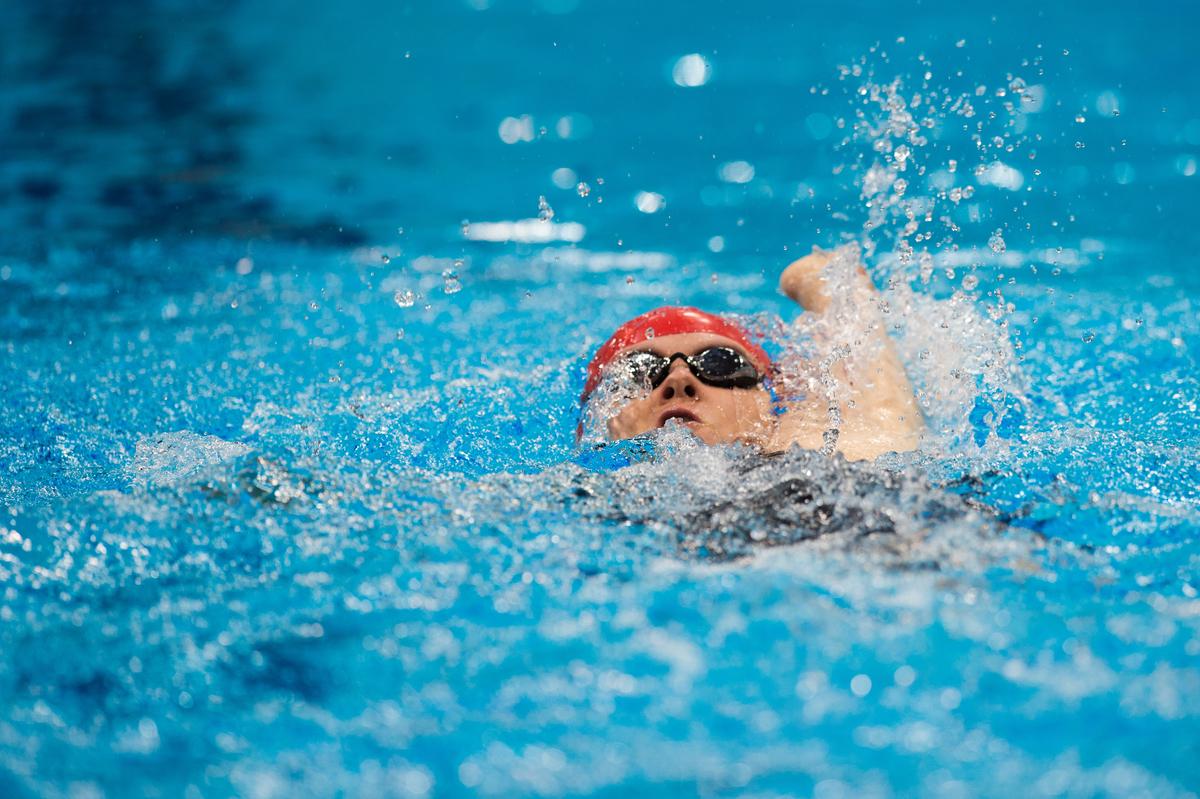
(721, 367)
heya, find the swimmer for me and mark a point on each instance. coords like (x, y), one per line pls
(686, 366)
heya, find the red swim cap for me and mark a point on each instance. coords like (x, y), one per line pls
(668, 321)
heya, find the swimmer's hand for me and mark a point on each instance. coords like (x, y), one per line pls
(877, 410)
(805, 280)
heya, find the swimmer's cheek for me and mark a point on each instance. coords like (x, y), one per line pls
(621, 426)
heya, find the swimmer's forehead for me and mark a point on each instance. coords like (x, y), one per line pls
(687, 343)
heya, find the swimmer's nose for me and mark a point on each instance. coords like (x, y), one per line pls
(679, 383)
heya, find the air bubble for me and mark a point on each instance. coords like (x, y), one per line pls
(405, 298)
(970, 282)
(691, 70)
(450, 282)
(583, 189)
(545, 212)
(996, 242)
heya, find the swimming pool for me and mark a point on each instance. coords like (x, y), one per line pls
(294, 318)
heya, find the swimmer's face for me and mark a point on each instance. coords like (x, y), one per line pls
(715, 415)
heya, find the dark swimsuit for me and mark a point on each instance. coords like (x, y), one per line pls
(775, 500)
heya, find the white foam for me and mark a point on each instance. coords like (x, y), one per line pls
(165, 458)
(535, 231)
(1002, 176)
(628, 261)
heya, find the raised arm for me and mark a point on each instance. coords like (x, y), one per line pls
(856, 400)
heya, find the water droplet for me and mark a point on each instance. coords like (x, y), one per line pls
(996, 242)
(649, 202)
(545, 212)
(649, 332)
(1080, 119)
(387, 259)
(450, 282)
(970, 282)
(405, 298)
(583, 189)
(1089, 337)
(900, 186)
(629, 280)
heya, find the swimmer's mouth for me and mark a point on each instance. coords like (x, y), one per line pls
(682, 415)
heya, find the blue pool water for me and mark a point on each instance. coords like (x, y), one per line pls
(290, 499)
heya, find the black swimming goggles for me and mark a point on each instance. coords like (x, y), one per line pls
(721, 367)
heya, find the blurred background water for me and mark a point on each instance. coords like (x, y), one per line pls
(294, 306)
